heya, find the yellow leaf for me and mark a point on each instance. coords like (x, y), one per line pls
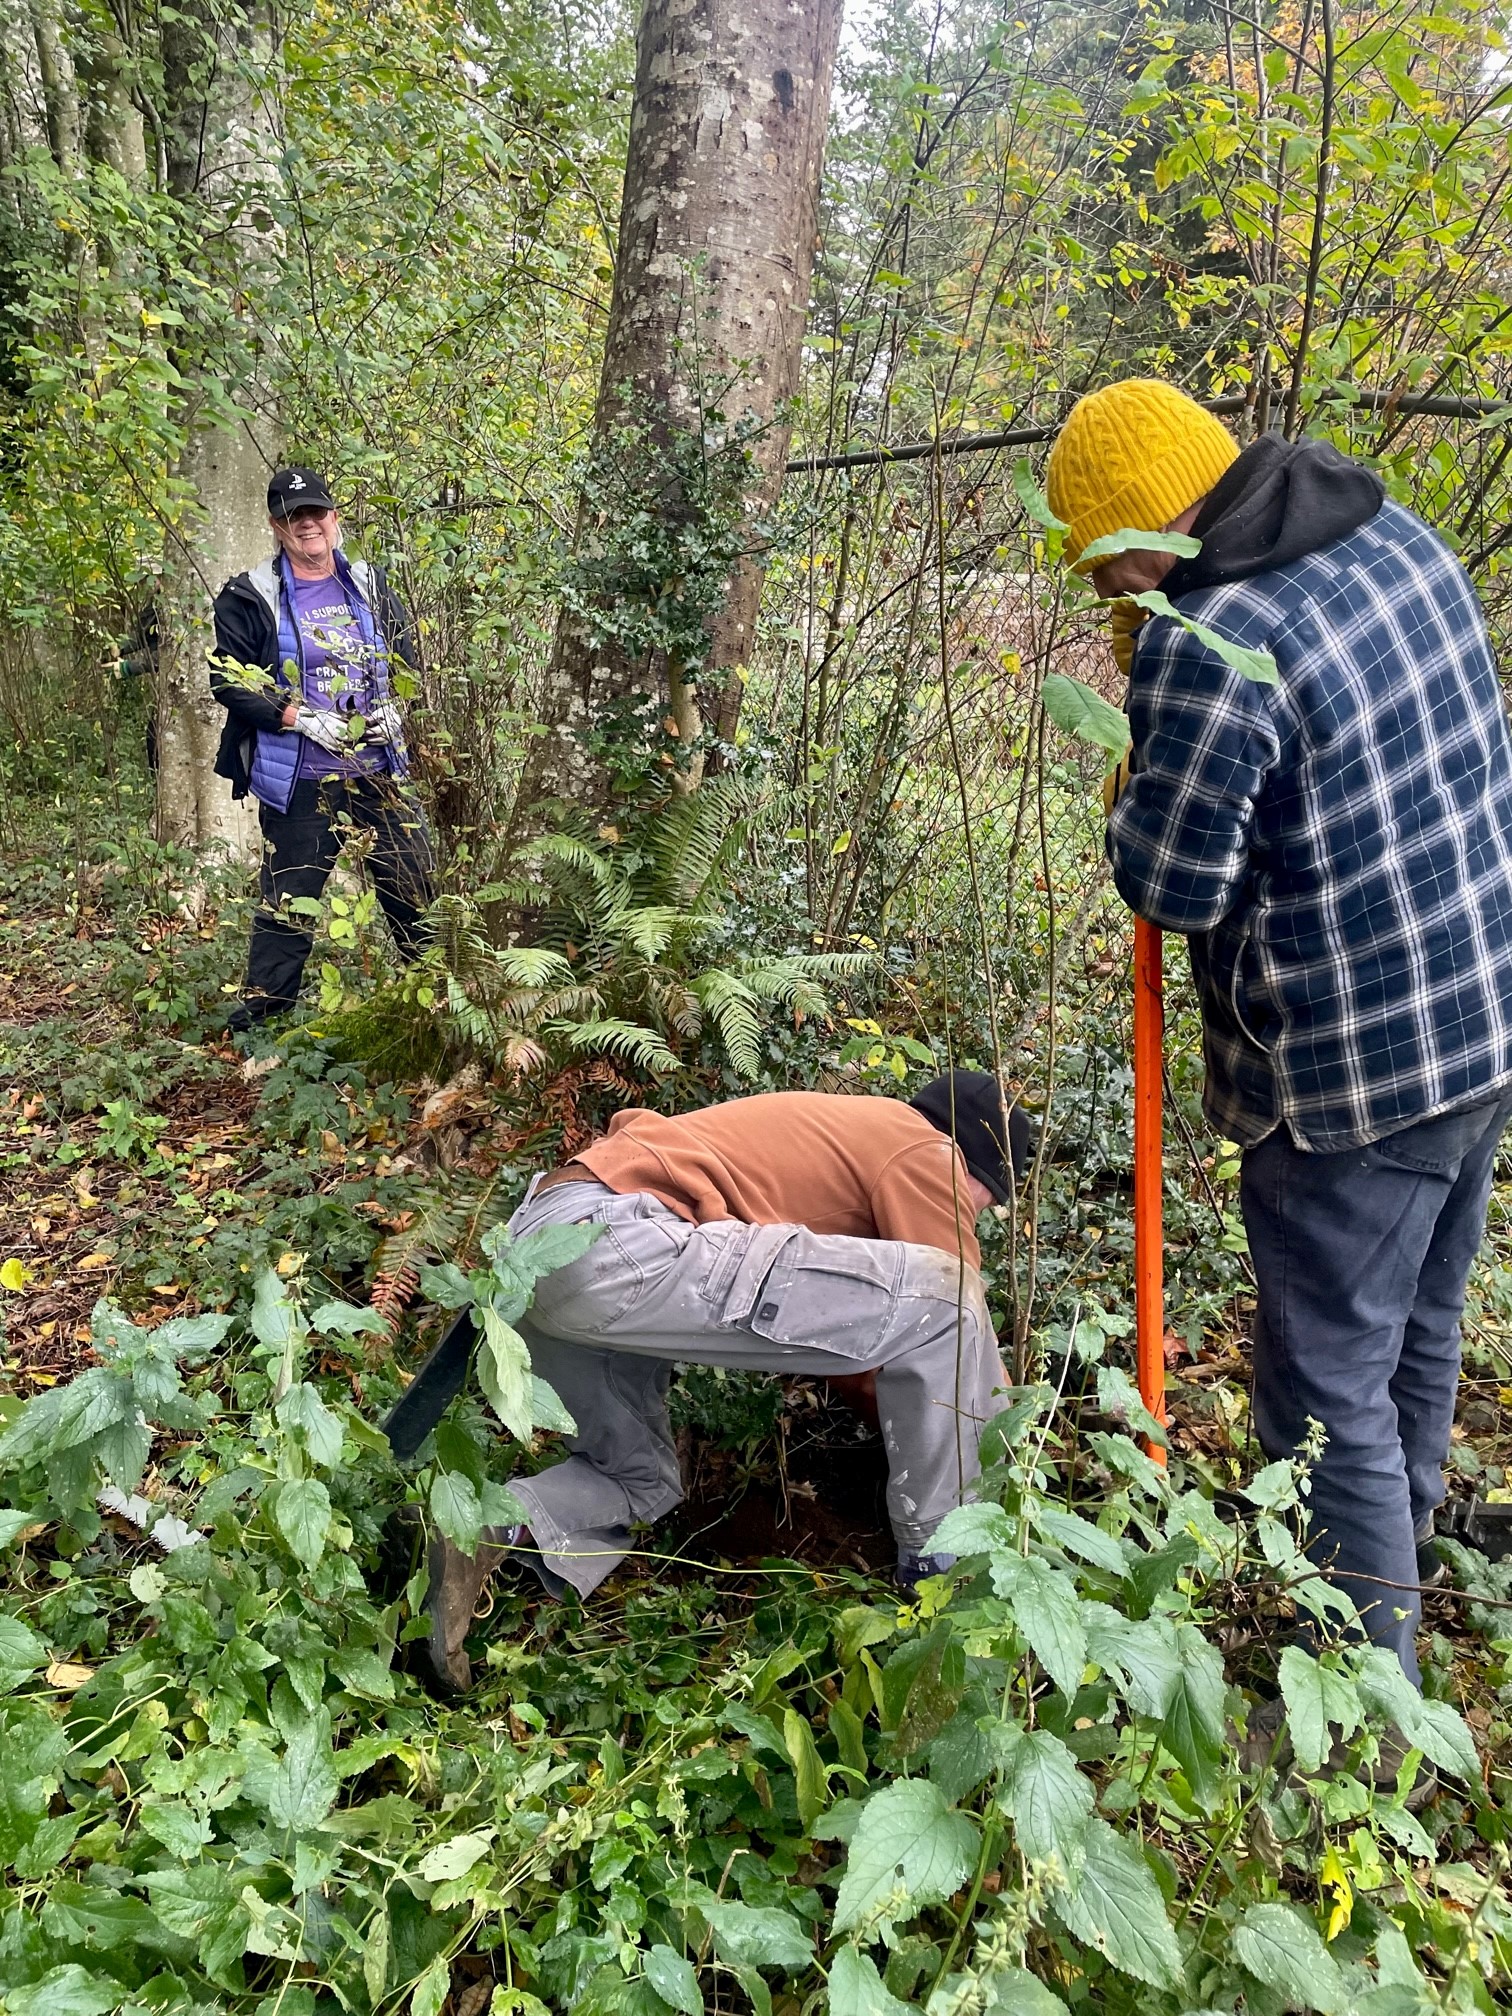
(92, 1262)
(1338, 1894)
(65, 1674)
(14, 1275)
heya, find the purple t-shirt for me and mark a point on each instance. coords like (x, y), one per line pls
(339, 672)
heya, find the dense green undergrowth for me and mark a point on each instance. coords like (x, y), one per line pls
(721, 1784)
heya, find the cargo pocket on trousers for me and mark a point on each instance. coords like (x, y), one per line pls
(834, 1295)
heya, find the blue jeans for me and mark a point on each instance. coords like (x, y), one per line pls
(1362, 1259)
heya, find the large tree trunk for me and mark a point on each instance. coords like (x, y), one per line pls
(218, 155)
(717, 230)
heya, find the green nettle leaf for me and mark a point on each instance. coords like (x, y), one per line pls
(303, 1788)
(1017, 1992)
(302, 1510)
(21, 1652)
(857, 1989)
(457, 1509)
(1077, 710)
(553, 1246)
(65, 1991)
(1433, 1727)
(1036, 504)
(1284, 1951)
(1250, 664)
(274, 1321)
(1128, 539)
(922, 1685)
(204, 1905)
(504, 1374)
(1193, 1727)
(1115, 1905)
(1047, 1798)
(1315, 1696)
(450, 1859)
(1078, 1536)
(347, 1319)
(973, 1529)
(546, 1409)
(447, 1286)
(12, 1523)
(302, 1407)
(1047, 1612)
(750, 1935)
(674, 1980)
(808, 1771)
(432, 1989)
(910, 1850)
(1140, 1653)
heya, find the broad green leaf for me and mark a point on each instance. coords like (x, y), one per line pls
(1036, 504)
(365, 1673)
(21, 1652)
(1116, 1906)
(1079, 1536)
(65, 1991)
(1284, 1951)
(451, 1859)
(909, 1842)
(973, 1529)
(1119, 1396)
(504, 1373)
(183, 1832)
(1047, 1612)
(1442, 1734)
(674, 1980)
(447, 1286)
(747, 1935)
(1259, 666)
(861, 1625)
(1140, 1653)
(1077, 710)
(922, 1685)
(808, 1771)
(95, 1916)
(302, 1408)
(1193, 1728)
(375, 1954)
(204, 1905)
(303, 1788)
(962, 1755)
(347, 1319)
(1127, 539)
(1315, 1696)
(1047, 1798)
(546, 1409)
(274, 1321)
(456, 1509)
(302, 1511)
(857, 1989)
(12, 1523)
(432, 1989)
(1016, 1992)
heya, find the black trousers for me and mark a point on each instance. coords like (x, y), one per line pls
(302, 846)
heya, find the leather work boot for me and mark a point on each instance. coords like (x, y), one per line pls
(1267, 1723)
(455, 1584)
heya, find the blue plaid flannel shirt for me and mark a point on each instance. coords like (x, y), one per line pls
(1336, 848)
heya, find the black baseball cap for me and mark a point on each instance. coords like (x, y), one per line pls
(967, 1106)
(288, 489)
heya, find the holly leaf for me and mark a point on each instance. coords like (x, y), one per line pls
(908, 1842)
(1283, 1950)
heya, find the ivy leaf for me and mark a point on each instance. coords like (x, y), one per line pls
(857, 1989)
(1315, 1696)
(909, 1841)
(456, 1509)
(1257, 665)
(674, 1980)
(1117, 1907)
(21, 1652)
(504, 1373)
(1047, 1799)
(303, 1513)
(1047, 1611)
(1077, 710)
(1283, 1950)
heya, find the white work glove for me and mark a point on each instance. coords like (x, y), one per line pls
(325, 728)
(384, 725)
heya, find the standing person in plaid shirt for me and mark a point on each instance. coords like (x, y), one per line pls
(1337, 849)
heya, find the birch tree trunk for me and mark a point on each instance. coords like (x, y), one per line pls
(717, 230)
(218, 158)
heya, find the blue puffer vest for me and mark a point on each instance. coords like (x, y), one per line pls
(274, 768)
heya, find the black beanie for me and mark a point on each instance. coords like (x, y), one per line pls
(967, 1106)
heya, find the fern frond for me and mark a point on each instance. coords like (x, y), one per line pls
(694, 839)
(643, 1047)
(649, 931)
(731, 1007)
(531, 966)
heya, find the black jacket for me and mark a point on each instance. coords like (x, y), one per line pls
(246, 632)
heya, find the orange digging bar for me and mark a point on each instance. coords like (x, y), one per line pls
(1149, 1242)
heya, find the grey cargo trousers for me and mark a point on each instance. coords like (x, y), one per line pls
(653, 1290)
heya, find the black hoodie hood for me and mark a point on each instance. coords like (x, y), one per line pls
(1280, 500)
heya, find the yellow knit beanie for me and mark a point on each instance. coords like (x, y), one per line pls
(1136, 454)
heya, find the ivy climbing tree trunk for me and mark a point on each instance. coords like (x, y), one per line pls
(216, 61)
(718, 222)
